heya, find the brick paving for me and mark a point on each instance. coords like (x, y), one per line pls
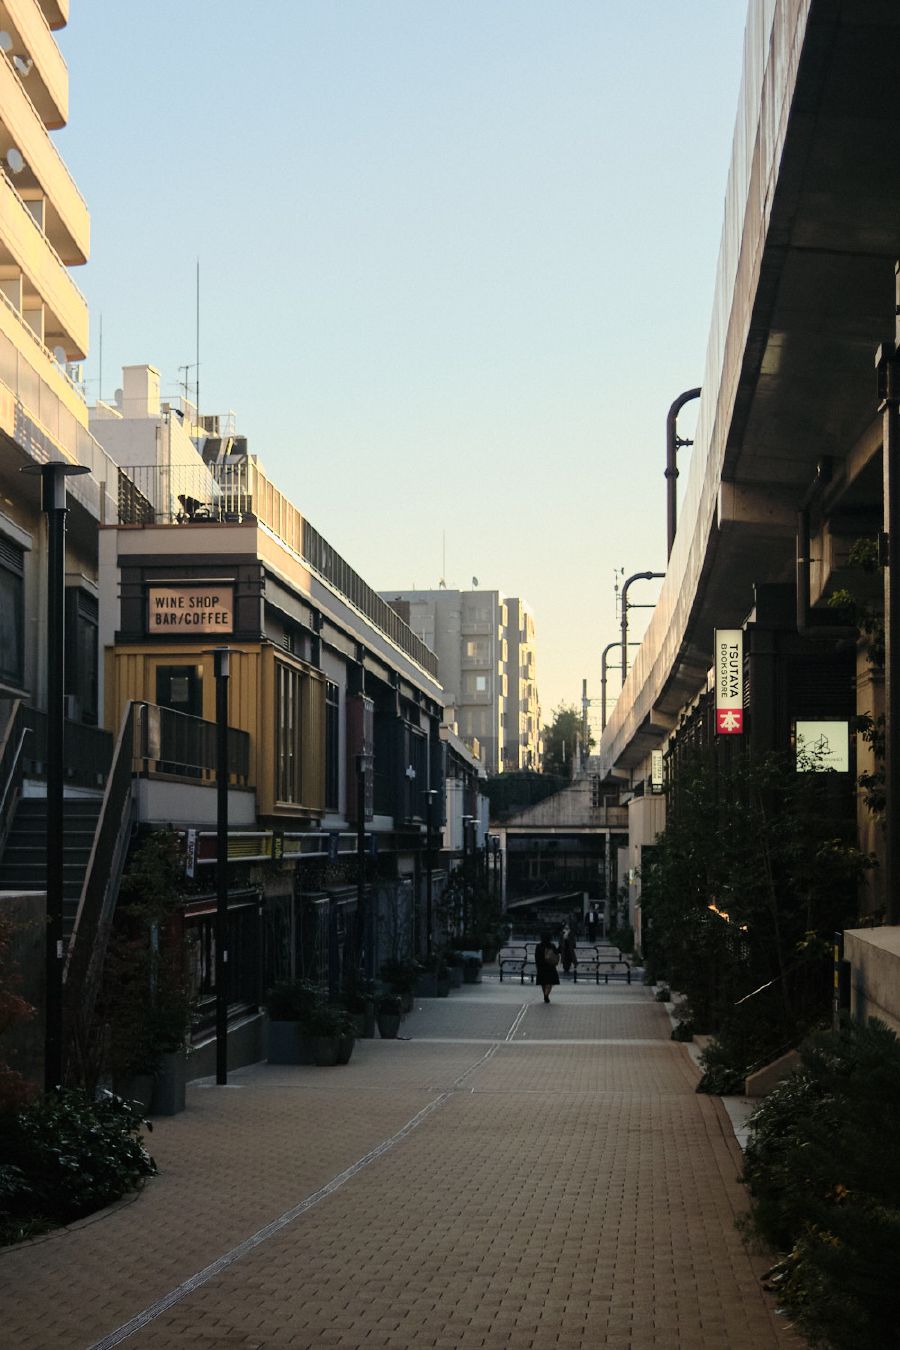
(553, 1181)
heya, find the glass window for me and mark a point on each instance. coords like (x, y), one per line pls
(332, 745)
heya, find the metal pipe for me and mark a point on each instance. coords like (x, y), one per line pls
(603, 669)
(887, 362)
(673, 444)
(638, 576)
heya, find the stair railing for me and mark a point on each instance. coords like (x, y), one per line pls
(93, 920)
(11, 760)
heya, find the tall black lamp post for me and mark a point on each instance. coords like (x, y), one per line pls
(466, 822)
(53, 503)
(363, 915)
(221, 669)
(674, 443)
(430, 794)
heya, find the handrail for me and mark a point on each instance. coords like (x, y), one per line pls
(10, 761)
(87, 945)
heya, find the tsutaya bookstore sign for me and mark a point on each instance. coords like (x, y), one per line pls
(729, 677)
(190, 609)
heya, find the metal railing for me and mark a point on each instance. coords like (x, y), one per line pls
(174, 743)
(87, 751)
(12, 745)
(242, 493)
(100, 889)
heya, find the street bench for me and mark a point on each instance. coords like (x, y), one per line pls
(516, 959)
(616, 967)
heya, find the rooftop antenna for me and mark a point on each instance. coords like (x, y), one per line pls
(442, 584)
(100, 371)
(197, 382)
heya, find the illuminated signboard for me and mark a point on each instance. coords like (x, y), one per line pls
(822, 746)
(190, 609)
(729, 678)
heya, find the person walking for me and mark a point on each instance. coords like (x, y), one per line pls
(591, 924)
(568, 950)
(546, 959)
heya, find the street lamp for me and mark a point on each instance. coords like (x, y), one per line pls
(221, 670)
(430, 794)
(53, 503)
(604, 667)
(466, 822)
(638, 576)
(362, 915)
(674, 442)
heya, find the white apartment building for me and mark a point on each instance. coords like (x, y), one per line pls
(484, 642)
(44, 231)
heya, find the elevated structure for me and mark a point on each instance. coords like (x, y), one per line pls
(787, 466)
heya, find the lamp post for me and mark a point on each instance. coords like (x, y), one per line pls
(638, 576)
(887, 364)
(430, 794)
(604, 667)
(53, 504)
(466, 822)
(674, 442)
(221, 668)
(362, 915)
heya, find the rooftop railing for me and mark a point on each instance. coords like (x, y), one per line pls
(240, 492)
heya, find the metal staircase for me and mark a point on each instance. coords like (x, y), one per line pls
(23, 865)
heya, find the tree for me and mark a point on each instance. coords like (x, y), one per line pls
(562, 739)
(755, 871)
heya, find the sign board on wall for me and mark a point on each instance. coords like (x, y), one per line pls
(190, 609)
(729, 677)
(656, 771)
(822, 745)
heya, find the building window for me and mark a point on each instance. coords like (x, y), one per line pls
(81, 655)
(12, 610)
(288, 722)
(480, 684)
(332, 745)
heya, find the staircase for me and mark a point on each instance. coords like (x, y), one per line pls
(23, 865)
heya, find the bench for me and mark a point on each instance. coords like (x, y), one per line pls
(598, 965)
(515, 959)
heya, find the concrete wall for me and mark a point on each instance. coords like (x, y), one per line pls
(874, 956)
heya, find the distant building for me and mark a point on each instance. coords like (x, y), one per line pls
(485, 644)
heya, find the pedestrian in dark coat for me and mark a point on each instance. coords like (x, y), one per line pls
(546, 959)
(568, 950)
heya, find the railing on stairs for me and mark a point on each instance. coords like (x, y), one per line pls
(12, 746)
(87, 945)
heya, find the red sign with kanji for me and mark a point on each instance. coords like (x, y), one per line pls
(729, 721)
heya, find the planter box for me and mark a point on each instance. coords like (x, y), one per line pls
(171, 1082)
(472, 970)
(427, 984)
(443, 986)
(455, 975)
(287, 1046)
(365, 1023)
(138, 1088)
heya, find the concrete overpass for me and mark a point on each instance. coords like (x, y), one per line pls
(804, 294)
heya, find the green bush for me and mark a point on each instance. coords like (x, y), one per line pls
(823, 1170)
(292, 1000)
(65, 1156)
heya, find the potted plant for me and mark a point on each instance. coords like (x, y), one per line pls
(388, 1011)
(432, 978)
(359, 1001)
(401, 977)
(330, 1029)
(290, 1003)
(453, 964)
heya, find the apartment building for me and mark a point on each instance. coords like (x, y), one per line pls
(44, 232)
(484, 642)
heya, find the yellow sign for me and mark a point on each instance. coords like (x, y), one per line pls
(190, 609)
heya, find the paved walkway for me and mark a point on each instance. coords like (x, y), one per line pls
(513, 1175)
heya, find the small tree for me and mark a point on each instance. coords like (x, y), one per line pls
(561, 740)
(747, 885)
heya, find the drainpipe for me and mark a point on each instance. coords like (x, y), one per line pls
(674, 442)
(638, 576)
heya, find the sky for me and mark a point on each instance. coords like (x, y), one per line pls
(456, 259)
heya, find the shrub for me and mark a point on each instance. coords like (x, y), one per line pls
(823, 1171)
(66, 1156)
(292, 1000)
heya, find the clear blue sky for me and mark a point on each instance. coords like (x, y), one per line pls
(456, 260)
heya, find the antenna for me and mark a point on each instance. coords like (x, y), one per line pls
(442, 584)
(197, 381)
(100, 372)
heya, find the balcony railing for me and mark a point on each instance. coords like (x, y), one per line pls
(241, 493)
(170, 742)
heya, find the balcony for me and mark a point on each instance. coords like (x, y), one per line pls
(56, 12)
(67, 221)
(48, 79)
(25, 247)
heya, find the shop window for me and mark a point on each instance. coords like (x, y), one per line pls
(81, 655)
